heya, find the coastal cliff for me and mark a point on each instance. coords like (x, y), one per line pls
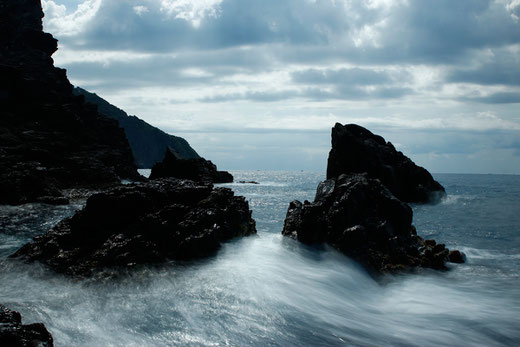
(146, 141)
(50, 140)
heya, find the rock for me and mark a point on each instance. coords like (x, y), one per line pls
(147, 142)
(50, 140)
(142, 223)
(456, 257)
(360, 217)
(195, 169)
(248, 182)
(14, 333)
(356, 150)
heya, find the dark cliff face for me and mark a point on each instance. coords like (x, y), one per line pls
(357, 150)
(49, 139)
(147, 142)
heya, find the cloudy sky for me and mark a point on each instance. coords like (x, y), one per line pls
(258, 84)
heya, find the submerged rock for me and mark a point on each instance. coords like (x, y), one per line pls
(14, 333)
(142, 223)
(357, 150)
(195, 169)
(363, 219)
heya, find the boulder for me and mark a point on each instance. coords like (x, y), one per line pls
(357, 150)
(14, 333)
(142, 223)
(195, 169)
(360, 217)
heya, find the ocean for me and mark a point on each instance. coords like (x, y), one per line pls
(268, 290)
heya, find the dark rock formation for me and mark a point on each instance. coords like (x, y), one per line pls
(49, 139)
(147, 142)
(248, 182)
(14, 333)
(361, 218)
(456, 256)
(199, 170)
(142, 223)
(356, 150)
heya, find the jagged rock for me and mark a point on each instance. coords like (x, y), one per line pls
(14, 333)
(364, 220)
(50, 139)
(142, 223)
(196, 169)
(147, 142)
(356, 150)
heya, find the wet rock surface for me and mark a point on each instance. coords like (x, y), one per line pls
(14, 333)
(50, 140)
(195, 169)
(357, 150)
(142, 223)
(360, 217)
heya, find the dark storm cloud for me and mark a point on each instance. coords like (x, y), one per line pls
(259, 36)
(117, 26)
(424, 30)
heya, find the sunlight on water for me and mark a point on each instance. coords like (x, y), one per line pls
(270, 290)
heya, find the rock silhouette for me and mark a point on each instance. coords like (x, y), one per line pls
(147, 142)
(357, 150)
(50, 139)
(364, 220)
(199, 169)
(142, 223)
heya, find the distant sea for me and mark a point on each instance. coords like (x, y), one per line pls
(268, 290)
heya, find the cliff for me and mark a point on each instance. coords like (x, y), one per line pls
(50, 140)
(147, 142)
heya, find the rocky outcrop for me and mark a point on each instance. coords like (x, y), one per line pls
(49, 139)
(14, 333)
(199, 170)
(356, 150)
(147, 142)
(360, 217)
(142, 223)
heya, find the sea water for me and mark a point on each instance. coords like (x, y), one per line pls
(268, 290)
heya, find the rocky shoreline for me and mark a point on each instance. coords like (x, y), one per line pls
(142, 223)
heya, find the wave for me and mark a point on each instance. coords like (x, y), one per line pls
(476, 253)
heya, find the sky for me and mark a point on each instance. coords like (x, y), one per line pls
(258, 84)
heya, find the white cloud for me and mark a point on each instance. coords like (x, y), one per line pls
(140, 10)
(58, 22)
(193, 11)
(513, 6)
